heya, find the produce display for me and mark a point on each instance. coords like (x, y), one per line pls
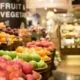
(27, 56)
(7, 38)
(17, 70)
(25, 34)
(43, 53)
(70, 35)
(49, 45)
(18, 62)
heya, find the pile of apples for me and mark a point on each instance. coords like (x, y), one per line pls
(27, 55)
(49, 45)
(17, 70)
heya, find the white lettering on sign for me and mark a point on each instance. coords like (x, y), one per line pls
(2, 5)
(7, 6)
(11, 14)
(2, 14)
(11, 6)
(11, 10)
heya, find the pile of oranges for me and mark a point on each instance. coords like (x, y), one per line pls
(5, 37)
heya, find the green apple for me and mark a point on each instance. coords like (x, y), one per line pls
(36, 57)
(7, 53)
(12, 54)
(2, 52)
(26, 57)
(7, 57)
(34, 63)
(41, 64)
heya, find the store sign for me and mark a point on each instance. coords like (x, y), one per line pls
(11, 12)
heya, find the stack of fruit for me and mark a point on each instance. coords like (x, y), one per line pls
(28, 56)
(42, 43)
(9, 41)
(7, 38)
(8, 54)
(10, 30)
(17, 70)
(42, 52)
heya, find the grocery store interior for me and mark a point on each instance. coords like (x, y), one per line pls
(39, 39)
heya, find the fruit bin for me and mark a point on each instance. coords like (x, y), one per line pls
(4, 46)
(51, 62)
(40, 77)
(14, 45)
(49, 67)
(10, 47)
(44, 73)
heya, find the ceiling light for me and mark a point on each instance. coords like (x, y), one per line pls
(39, 0)
(51, 0)
(55, 10)
(45, 8)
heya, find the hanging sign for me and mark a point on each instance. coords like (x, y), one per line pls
(12, 12)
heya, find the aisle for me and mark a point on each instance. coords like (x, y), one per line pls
(69, 69)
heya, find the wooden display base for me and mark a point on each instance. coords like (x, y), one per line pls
(70, 51)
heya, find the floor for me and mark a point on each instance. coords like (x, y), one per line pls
(67, 71)
(51, 78)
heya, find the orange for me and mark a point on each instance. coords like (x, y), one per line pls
(38, 48)
(41, 53)
(20, 49)
(45, 58)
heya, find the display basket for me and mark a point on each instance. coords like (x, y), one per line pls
(44, 72)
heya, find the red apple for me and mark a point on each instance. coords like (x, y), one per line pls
(3, 65)
(2, 59)
(3, 78)
(3, 73)
(35, 74)
(27, 68)
(37, 43)
(17, 78)
(30, 77)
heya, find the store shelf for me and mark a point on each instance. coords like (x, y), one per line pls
(69, 44)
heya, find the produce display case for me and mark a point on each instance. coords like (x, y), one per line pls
(70, 38)
(40, 53)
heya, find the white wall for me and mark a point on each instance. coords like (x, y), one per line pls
(63, 4)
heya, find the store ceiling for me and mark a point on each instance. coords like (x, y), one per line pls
(62, 4)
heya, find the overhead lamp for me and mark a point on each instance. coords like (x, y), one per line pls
(55, 10)
(45, 8)
(39, 0)
(64, 15)
(51, 0)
